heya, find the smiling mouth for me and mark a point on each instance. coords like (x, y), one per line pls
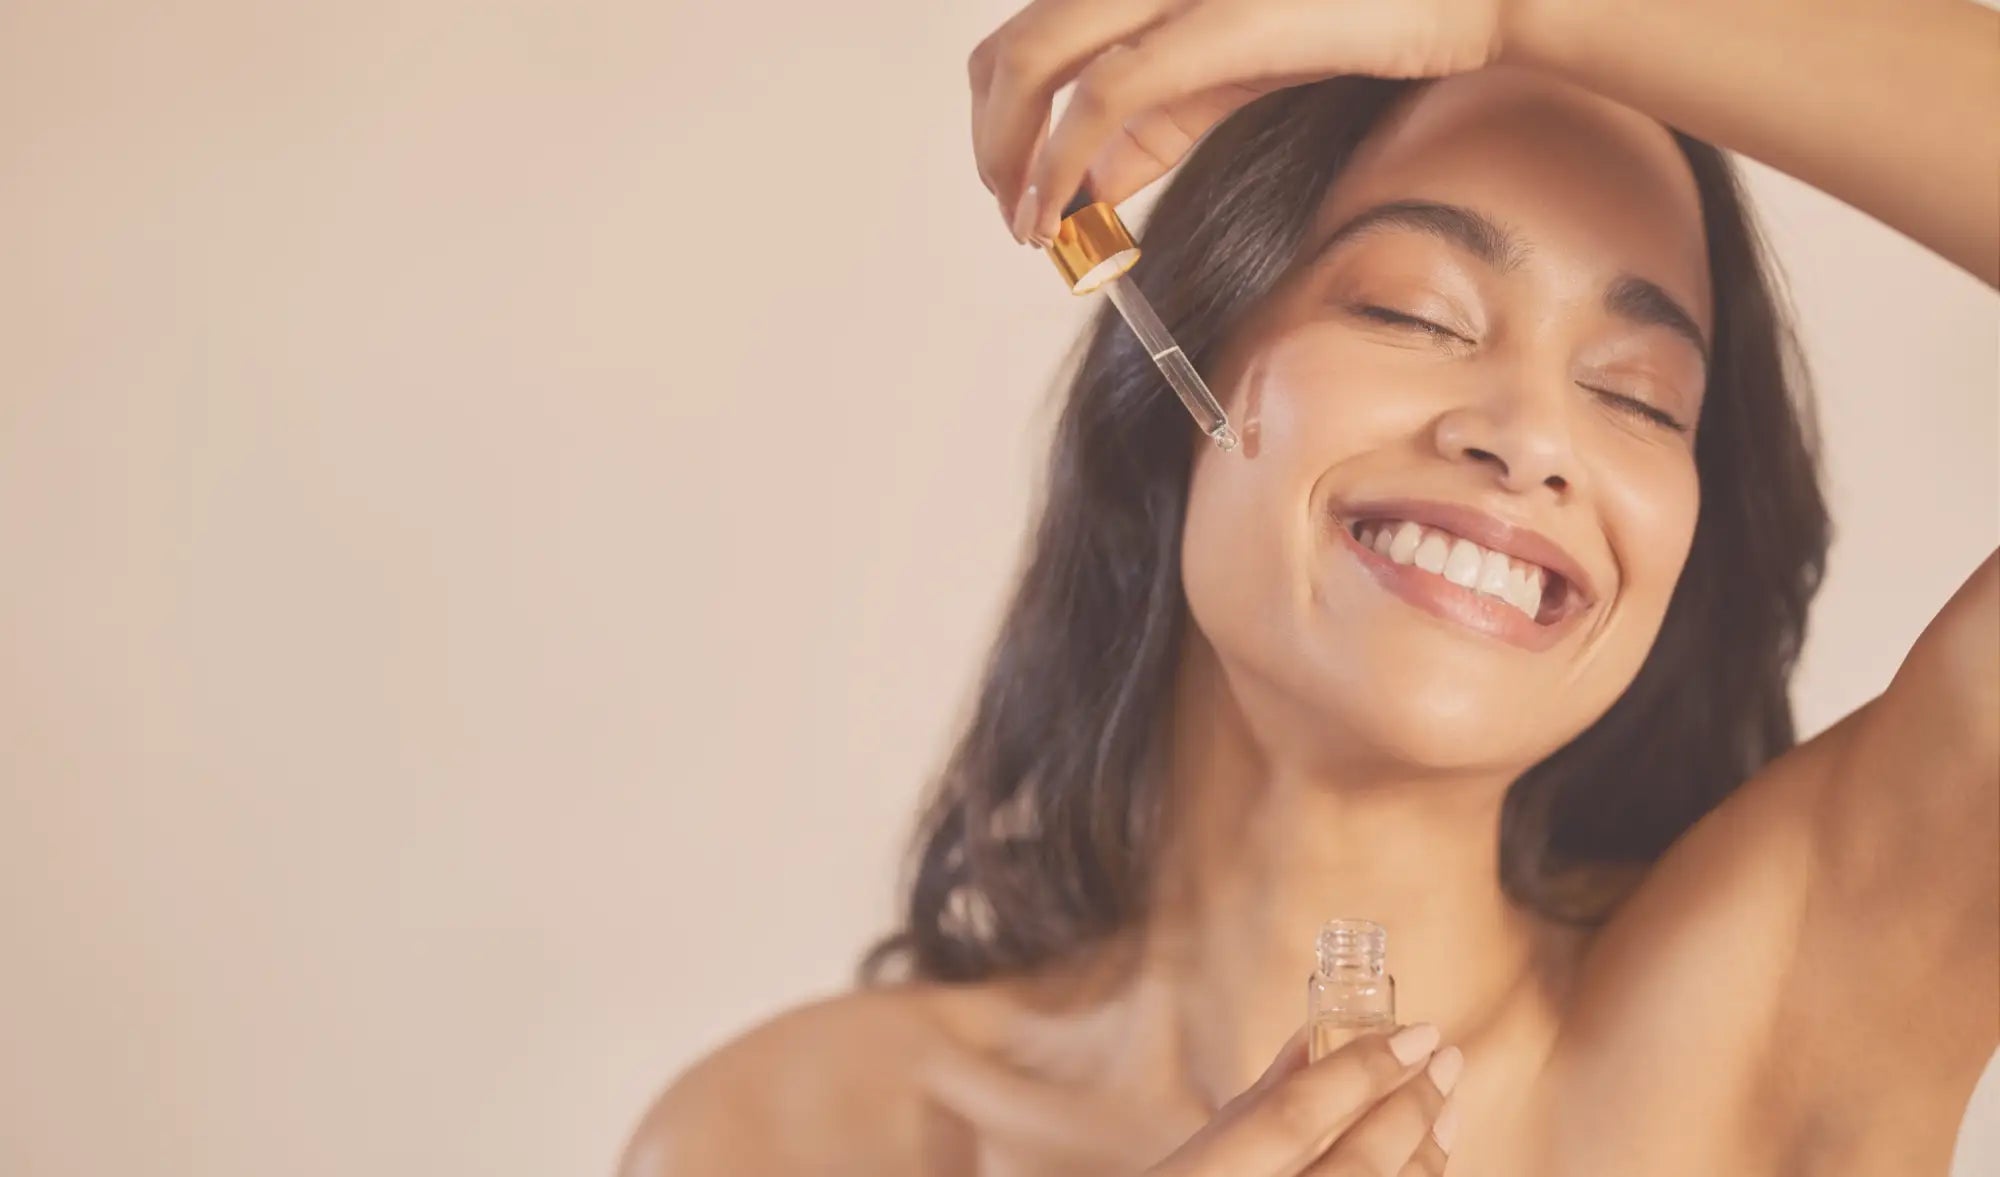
(1538, 594)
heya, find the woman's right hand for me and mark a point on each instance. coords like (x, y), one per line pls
(1152, 76)
(1378, 1107)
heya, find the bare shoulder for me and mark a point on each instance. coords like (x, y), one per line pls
(833, 1087)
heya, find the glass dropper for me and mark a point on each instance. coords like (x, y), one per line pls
(1094, 251)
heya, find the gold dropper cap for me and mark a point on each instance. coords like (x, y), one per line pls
(1093, 249)
(1092, 246)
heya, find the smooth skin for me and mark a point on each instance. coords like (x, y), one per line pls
(1808, 981)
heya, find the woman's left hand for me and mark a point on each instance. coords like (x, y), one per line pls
(1152, 76)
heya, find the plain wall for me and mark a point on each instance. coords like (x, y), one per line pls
(500, 506)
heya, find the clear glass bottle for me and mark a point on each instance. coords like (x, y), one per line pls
(1350, 992)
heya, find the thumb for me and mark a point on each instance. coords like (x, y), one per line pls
(1150, 144)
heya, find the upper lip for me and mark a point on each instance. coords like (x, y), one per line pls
(1488, 531)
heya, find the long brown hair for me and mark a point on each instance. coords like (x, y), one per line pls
(1041, 831)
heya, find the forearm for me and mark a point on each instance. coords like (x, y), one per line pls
(1889, 105)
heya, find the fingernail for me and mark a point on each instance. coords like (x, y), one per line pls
(1446, 1127)
(1446, 1066)
(1053, 225)
(1026, 214)
(1413, 1042)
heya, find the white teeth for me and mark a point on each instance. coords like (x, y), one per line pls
(1461, 567)
(1403, 548)
(1459, 561)
(1525, 593)
(1432, 553)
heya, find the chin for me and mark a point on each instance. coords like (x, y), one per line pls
(1444, 727)
(1416, 695)
(1348, 678)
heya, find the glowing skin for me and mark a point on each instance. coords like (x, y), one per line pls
(1343, 408)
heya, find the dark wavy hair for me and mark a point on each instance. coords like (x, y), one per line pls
(1042, 830)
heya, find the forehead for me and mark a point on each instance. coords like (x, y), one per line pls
(1593, 190)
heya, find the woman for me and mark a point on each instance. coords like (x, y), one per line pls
(1503, 314)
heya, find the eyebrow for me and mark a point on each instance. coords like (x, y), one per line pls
(1470, 231)
(1637, 300)
(1630, 297)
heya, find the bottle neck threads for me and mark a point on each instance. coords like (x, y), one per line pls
(1353, 947)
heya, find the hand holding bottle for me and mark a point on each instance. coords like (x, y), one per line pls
(1377, 1105)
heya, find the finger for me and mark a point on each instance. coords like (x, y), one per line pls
(979, 69)
(1431, 1156)
(1207, 47)
(1016, 72)
(978, 119)
(1287, 1125)
(1008, 199)
(1291, 1058)
(1387, 1138)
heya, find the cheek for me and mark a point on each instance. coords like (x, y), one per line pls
(1308, 400)
(1312, 395)
(1249, 529)
(1238, 542)
(1649, 511)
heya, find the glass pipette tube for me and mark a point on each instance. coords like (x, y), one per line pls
(1093, 250)
(1173, 362)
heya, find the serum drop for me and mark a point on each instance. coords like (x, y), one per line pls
(1350, 992)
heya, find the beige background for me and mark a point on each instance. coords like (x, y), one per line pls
(499, 505)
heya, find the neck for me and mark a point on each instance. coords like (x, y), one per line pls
(1261, 850)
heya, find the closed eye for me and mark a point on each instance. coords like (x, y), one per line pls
(1635, 407)
(1399, 319)
(1619, 402)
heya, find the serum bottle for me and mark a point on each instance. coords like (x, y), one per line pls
(1350, 992)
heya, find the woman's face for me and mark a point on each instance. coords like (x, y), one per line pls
(1467, 485)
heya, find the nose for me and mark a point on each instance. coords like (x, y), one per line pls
(1521, 436)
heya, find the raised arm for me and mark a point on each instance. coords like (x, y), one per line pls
(1886, 104)
(1889, 105)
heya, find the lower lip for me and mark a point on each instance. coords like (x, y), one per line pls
(1441, 598)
